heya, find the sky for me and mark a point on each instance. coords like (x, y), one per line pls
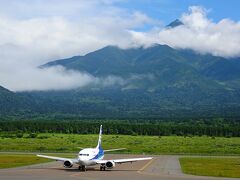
(33, 32)
(167, 11)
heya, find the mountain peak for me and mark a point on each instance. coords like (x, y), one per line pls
(175, 23)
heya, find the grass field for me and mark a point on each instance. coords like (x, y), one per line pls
(15, 160)
(47, 142)
(10, 160)
(205, 166)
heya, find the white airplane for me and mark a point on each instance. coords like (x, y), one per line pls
(93, 156)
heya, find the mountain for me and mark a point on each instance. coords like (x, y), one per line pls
(159, 82)
(160, 65)
(156, 82)
(175, 23)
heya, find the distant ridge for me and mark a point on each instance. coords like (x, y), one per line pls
(157, 60)
(160, 81)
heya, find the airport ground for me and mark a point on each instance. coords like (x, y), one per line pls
(161, 167)
(164, 167)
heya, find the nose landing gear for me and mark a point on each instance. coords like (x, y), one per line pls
(102, 168)
(82, 168)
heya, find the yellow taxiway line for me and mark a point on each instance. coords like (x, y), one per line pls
(146, 165)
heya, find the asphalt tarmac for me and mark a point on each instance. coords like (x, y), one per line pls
(160, 167)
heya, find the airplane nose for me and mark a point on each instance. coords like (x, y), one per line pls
(81, 160)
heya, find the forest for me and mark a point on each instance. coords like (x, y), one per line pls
(218, 127)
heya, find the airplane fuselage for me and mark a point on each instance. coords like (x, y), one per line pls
(89, 156)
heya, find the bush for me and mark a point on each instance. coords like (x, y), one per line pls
(228, 136)
(43, 137)
(19, 135)
(134, 134)
(41, 148)
(32, 135)
(8, 135)
(62, 149)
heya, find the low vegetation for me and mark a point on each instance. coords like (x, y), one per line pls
(211, 166)
(16, 160)
(54, 142)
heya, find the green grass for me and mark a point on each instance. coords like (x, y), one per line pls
(15, 160)
(47, 142)
(10, 160)
(206, 166)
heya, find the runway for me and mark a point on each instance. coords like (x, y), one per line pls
(165, 167)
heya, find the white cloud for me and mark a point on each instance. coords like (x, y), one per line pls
(55, 78)
(52, 78)
(198, 33)
(202, 35)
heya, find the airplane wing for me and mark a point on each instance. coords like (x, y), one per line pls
(120, 161)
(114, 149)
(58, 158)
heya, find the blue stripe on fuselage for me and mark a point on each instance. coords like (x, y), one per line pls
(100, 153)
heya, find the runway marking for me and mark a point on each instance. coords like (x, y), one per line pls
(140, 171)
(146, 165)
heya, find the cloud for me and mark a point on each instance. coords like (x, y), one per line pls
(109, 81)
(33, 35)
(204, 36)
(55, 78)
(198, 33)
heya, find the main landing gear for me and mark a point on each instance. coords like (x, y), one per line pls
(82, 168)
(102, 168)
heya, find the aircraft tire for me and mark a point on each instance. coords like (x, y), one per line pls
(84, 168)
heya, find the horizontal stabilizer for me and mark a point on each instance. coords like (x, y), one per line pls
(109, 150)
(80, 148)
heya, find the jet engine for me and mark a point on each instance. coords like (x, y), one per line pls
(68, 164)
(110, 164)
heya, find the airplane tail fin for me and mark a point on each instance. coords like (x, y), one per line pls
(100, 137)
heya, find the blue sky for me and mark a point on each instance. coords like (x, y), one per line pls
(168, 10)
(163, 10)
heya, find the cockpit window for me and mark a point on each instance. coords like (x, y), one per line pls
(84, 154)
